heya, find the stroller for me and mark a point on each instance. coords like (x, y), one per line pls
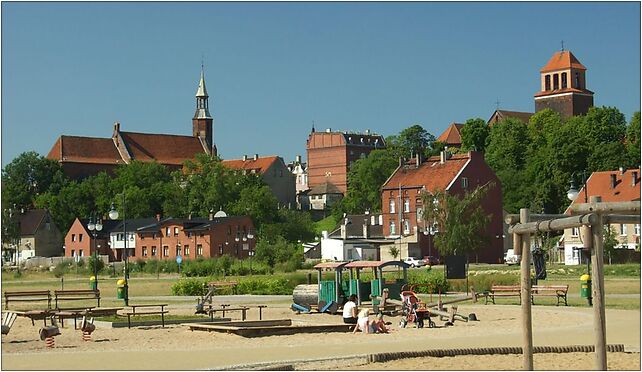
(414, 311)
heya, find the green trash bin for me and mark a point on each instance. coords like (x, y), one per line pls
(93, 283)
(585, 286)
(121, 289)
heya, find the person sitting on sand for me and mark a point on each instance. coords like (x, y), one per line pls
(378, 325)
(363, 322)
(350, 310)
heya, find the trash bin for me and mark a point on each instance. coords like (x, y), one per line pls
(93, 283)
(121, 289)
(585, 286)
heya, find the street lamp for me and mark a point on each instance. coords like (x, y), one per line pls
(431, 230)
(95, 225)
(573, 193)
(113, 214)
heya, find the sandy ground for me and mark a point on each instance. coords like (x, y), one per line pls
(177, 348)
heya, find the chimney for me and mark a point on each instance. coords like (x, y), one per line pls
(621, 170)
(442, 157)
(244, 157)
(613, 180)
(366, 227)
(211, 216)
(189, 216)
(634, 178)
(297, 159)
(344, 233)
(116, 127)
(418, 160)
(256, 156)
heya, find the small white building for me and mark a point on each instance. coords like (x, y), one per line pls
(324, 196)
(357, 238)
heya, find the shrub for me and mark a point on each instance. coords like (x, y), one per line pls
(189, 287)
(95, 262)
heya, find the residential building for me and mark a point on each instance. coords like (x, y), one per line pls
(453, 174)
(125, 236)
(300, 172)
(330, 155)
(81, 157)
(358, 237)
(612, 186)
(39, 236)
(324, 196)
(273, 172)
(79, 241)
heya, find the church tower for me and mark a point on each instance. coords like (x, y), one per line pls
(202, 121)
(563, 82)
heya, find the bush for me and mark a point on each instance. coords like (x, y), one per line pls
(95, 262)
(435, 280)
(189, 287)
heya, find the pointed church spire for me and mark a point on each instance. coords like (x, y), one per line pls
(202, 111)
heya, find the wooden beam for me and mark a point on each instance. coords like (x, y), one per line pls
(612, 207)
(527, 324)
(553, 225)
(512, 219)
(619, 218)
(599, 316)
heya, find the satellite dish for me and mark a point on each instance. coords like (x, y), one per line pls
(220, 214)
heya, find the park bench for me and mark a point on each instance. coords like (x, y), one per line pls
(557, 291)
(503, 291)
(148, 309)
(76, 294)
(226, 307)
(19, 296)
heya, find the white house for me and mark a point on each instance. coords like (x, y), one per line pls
(357, 238)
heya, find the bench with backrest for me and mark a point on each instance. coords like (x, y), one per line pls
(557, 291)
(147, 309)
(76, 295)
(503, 291)
(19, 296)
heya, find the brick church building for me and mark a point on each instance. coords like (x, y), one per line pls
(81, 157)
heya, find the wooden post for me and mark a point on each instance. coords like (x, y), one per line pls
(527, 325)
(599, 316)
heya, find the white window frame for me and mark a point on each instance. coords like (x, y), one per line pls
(623, 229)
(392, 205)
(636, 229)
(575, 231)
(393, 229)
(464, 182)
(406, 205)
(406, 226)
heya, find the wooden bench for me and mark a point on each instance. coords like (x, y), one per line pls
(224, 308)
(504, 291)
(27, 296)
(161, 311)
(76, 294)
(557, 291)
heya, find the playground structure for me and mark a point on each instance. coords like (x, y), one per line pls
(330, 295)
(211, 289)
(259, 328)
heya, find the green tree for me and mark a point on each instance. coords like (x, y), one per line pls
(461, 221)
(633, 141)
(27, 176)
(474, 135)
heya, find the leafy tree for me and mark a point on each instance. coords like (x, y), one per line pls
(27, 176)
(474, 135)
(461, 221)
(633, 141)
(610, 242)
(409, 142)
(257, 202)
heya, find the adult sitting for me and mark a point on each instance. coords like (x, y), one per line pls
(350, 310)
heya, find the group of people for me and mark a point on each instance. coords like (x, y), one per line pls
(361, 319)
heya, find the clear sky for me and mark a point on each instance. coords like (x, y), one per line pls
(75, 68)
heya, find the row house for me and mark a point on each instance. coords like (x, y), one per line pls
(156, 238)
(454, 174)
(613, 186)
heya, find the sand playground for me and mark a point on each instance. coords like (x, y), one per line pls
(176, 347)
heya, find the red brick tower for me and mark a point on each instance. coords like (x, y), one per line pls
(564, 90)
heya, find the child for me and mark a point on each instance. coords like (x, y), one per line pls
(378, 325)
(363, 322)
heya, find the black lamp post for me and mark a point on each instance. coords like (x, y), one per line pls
(95, 225)
(431, 230)
(113, 214)
(573, 193)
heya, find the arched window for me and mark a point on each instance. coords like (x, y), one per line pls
(547, 82)
(556, 82)
(392, 228)
(392, 206)
(577, 81)
(564, 84)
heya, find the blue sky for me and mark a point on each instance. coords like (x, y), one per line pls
(272, 68)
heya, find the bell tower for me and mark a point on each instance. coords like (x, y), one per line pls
(563, 86)
(202, 121)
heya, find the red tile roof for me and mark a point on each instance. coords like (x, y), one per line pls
(431, 173)
(562, 60)
(260, 165)
(565, 90)
(599, 184)
(452, 135)
(85, 150)
(164, 148)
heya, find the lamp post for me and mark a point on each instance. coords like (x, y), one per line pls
(431, 230)
(113, 214)
(573, 193)
(95, 225)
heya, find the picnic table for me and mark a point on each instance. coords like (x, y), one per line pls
(160, 310)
